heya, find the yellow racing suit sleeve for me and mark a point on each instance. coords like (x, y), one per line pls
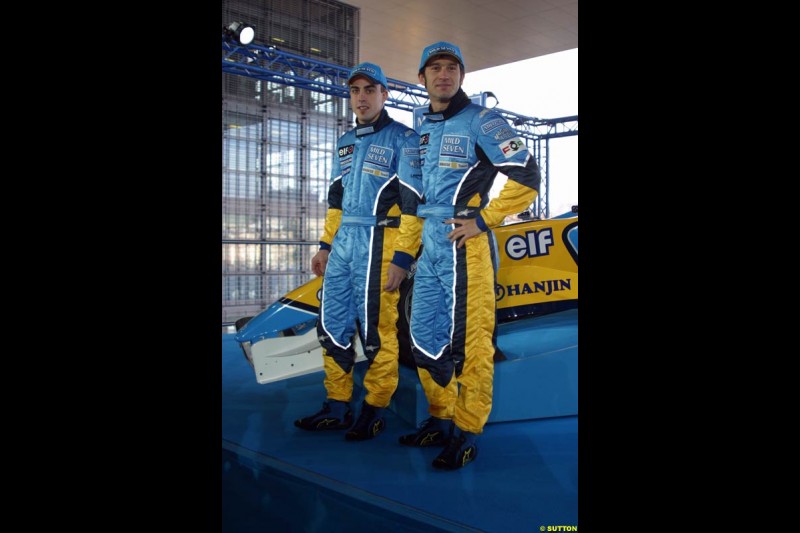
(517, 194)
(514, 198)
(333, 219)
(409, 236)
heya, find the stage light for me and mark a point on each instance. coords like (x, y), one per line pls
(240, 32)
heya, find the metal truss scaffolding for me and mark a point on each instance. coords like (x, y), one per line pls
(268, 63)
(277, 66)
(277, 152)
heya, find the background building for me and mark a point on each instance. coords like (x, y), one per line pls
(277, 146)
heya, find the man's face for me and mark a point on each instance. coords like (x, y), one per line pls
(366, 99)
(442, 77)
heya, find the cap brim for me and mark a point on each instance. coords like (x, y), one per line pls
(362, 75)
(439, 54)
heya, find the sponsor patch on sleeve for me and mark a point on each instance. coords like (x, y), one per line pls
(512, 146)
(492, 124)
(504, 133)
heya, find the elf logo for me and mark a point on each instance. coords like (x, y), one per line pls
(346, 150)
(533, 244)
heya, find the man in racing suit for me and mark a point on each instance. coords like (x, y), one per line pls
(372, 235)
(462, 148)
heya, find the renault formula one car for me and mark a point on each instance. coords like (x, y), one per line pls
(537, 275)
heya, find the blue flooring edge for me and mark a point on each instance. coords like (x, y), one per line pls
(303, 494)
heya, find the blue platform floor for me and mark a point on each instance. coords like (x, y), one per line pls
(277, 477)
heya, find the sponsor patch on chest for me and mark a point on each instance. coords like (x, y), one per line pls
(379, 155)
(375, 172)
(344, 151)
(452, 164)
(454, 146)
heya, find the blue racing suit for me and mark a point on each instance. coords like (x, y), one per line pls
(371, 221)
(453, 313)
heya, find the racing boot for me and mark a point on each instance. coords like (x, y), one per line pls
(369, 423)
(458, 452)
(334, 415)
(433, 432)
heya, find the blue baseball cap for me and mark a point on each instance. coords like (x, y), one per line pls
(442, 47)
(370, 71)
